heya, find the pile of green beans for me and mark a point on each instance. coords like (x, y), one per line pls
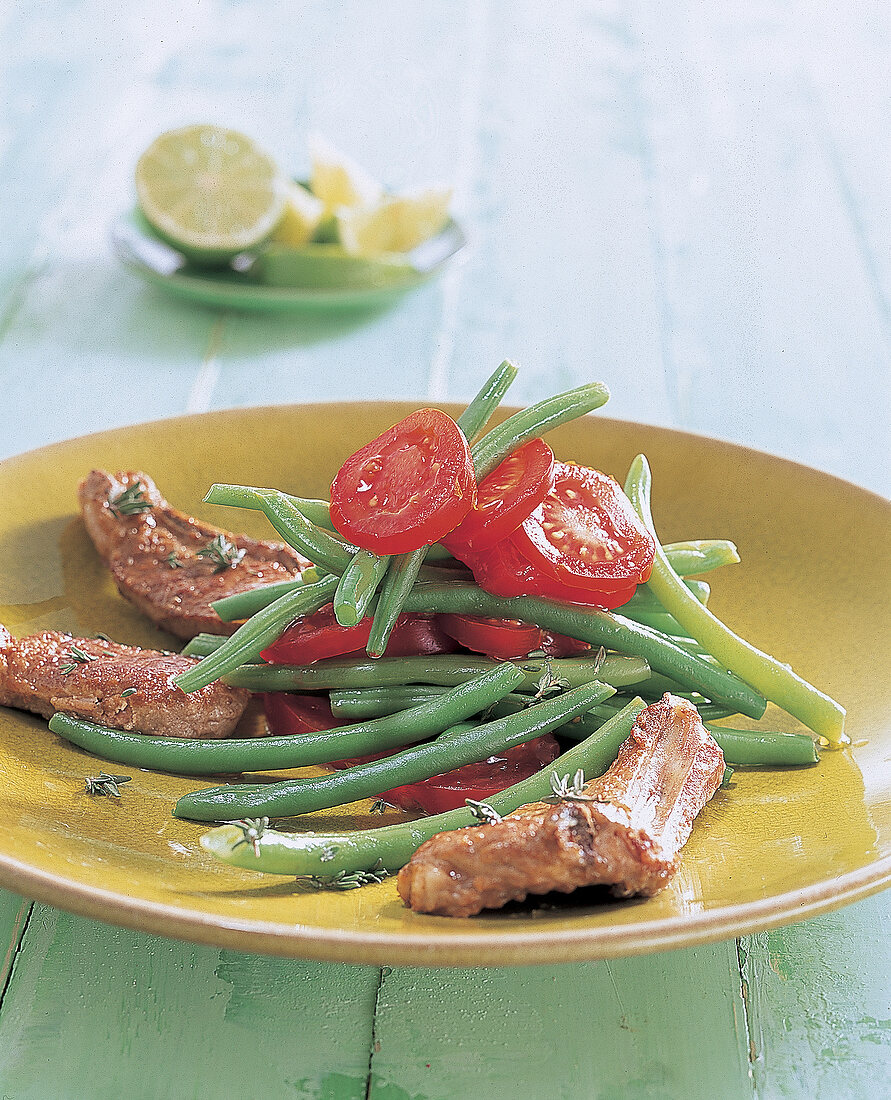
(765, 673)
(472, 743)
(187, 756)
(392, 846)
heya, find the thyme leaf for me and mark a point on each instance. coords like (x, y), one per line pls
(483, 812)
(173, 561)
(223, 553)
(130, 502)
(570, 790)
(252, 829)
(104, 784)
(346, 880)
(78, 657)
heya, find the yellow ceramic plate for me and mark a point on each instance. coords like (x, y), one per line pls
(777, 847)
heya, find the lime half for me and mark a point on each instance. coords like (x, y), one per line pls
(209, 191)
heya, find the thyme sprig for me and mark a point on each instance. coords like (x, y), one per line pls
(346, 880)
(252, 829)
(104, 784)
(223, 553)
(483, 812)
(130, 502)
(379, 806)
(78, 657)
(570, 790)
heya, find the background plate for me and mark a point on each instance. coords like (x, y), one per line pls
(778, 846)
(156, 262)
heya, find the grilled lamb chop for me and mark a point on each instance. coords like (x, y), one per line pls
(171, 565)
(623, 830)
(92, 679)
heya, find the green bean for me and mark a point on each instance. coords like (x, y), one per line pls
(477, 414)
(644, 600)
(203, 644)
(402, 571)
(772, 678)
(358, 585)
(247, 496)
(257, 633)
(446, 669)
(292, 797)
(323, 548)
(186, 756)
(241, 605)
(392, 846)
(400, 577)
(701, 556)
(760, 748)
(534, 421)
(598, 628)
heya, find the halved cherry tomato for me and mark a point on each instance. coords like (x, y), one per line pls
(586, 534)
(504, 571)
(477, 781)
(315, 637)
(506, 497)
(407, 488)
(287, 714)
(498, 638)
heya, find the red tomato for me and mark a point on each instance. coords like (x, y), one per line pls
(498, 638)
(506, 497)
(503, 571)
(407, 488)
(585, 533)
(560, 645)
(287, 714)
(315, 637)
(477, 781)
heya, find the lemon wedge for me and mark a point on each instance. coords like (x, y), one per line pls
(397, 223)
(209, 191)
(337, 179)
(301, 218)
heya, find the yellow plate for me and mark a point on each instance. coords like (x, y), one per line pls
(778, 846)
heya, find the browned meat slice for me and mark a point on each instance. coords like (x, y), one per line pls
(623, 830)
(114, 685)
(171, 565)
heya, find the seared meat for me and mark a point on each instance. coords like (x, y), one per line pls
(93, 679)
(625, 830)
(171, 565)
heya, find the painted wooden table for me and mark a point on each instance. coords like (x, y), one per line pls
(689, 201)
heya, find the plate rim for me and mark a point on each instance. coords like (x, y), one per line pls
(255, 295)
(426, 948)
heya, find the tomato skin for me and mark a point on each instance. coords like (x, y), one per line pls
(478, 781)
(504, 571)
(586, 533)
(318, 636)
(505, 497)
(407, 488)
(498, 638)
(288, 714)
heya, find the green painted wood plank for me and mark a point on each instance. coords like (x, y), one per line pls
(102, 1012)
(669, 1025)
(14, 913)
(562, 277)
(818, 999)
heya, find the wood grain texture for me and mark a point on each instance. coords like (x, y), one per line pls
(100, 1012)
(690, 201)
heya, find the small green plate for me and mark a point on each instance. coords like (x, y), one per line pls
(241, 285)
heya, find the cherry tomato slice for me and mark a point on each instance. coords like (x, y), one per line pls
(314, 637)
(478, 781)
(498, 638)
(586, 533)
(503, 571)
(407, 488)
(506, 497)
(287, 714)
